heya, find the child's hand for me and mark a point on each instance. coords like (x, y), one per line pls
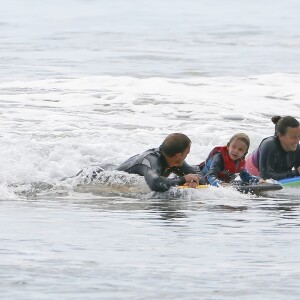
(262, 180)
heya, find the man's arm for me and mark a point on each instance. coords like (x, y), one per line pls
(187, 169)
(159, 183)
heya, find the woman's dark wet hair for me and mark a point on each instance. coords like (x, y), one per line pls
(175, 143)
(282, 123)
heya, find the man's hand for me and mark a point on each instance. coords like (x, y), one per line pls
(192, 180)
(191, 184)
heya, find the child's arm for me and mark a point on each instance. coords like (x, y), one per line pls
(216, 165)
(247, 177)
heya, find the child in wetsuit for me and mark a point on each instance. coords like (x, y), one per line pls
(224, 163)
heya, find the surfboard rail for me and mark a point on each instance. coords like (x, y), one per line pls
(290, 182)
(247, 188)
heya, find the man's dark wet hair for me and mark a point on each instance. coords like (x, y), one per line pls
(175, 143)
(282, 123)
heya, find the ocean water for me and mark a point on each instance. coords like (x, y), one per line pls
(91, 83)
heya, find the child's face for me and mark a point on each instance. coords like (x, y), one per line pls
(237, 149)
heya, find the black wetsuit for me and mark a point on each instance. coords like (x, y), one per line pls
(273, 162)
(153, 166)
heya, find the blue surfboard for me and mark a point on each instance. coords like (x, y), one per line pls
(290, 182)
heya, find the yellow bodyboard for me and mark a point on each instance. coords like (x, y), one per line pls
(202, 186)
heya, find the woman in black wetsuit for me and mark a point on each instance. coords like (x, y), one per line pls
(277, 156)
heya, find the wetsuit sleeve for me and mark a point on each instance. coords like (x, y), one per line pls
(297, 162)
(267, 161)
(187, 169)
(247, 177)
(159, 183)
(216, 165)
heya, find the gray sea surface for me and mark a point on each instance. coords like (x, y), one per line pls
(174, 38)
(126, 248)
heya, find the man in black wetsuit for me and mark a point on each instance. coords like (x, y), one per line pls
(158, 163)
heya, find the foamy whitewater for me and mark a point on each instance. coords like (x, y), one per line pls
(87, 84)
